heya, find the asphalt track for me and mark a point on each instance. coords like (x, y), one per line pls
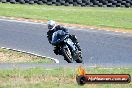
(99, 47)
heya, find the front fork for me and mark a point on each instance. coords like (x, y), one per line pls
(73, 48)
(70, 44)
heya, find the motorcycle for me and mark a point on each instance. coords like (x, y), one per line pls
(66, 47)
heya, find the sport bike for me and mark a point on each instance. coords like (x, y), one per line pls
(66, 47)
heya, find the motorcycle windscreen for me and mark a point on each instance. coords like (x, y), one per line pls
(56, 37)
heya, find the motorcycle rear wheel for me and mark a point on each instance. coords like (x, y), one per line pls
(79, 59)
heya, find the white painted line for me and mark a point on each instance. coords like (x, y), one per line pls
(124, 32)
(28, 22)
(56, 60)
(92, 28)
(107, 30)
(43, 23)
(116, 31)
(40, 23)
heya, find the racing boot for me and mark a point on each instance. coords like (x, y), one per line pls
(56, 50)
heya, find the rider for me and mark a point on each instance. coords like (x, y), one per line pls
(53, 27)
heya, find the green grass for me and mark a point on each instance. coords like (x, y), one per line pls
(99, 17)
(9, 56)
(55, 78)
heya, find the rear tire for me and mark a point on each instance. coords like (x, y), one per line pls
(79, 59)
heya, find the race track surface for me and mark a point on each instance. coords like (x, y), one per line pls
(101, 48)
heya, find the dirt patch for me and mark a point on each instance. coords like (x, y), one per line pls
(9, 56)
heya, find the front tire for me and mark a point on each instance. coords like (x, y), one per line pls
(67, 54)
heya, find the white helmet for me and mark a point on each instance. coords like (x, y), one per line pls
(51, 24)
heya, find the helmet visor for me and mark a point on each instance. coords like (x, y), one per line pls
(50, 26)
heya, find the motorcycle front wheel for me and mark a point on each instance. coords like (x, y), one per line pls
(67, 54)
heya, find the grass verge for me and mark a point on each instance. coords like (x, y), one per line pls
(99, 17)
(55, 78)
(9, 56)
